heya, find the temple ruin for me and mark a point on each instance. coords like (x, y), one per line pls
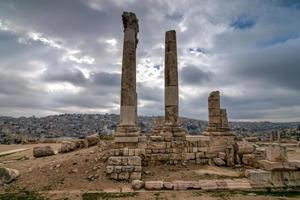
(171, 144)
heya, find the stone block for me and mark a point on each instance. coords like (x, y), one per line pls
(200, 155)
(185, 185)
(134, 160)
(168, 185)
(123, 176)
(109, 169)
(137, 184)
(117, 160)
(222, 155)
(130, 139)
(189, 156)
(137, 168)
(276, 153)
(154, 185)
(219, 162)
(135, 175)
(128, 168)
(238, 184)
(272, 166)
(258, 176)
(117, 169)
(208, 185)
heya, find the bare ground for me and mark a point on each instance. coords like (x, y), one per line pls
(75, 173)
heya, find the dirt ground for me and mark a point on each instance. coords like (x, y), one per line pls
(81, 171)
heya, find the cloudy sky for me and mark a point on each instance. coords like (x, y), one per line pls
(64, 56)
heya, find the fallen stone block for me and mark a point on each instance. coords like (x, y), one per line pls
(137, 184)
(92, 140)
(185, 185)
(272, 166)
(168, 185)
(258, 176)
(8, 175)
(276, 153)
(208, 185)
(43, 151)
(67, 146)
(219, 162)
(154, 185)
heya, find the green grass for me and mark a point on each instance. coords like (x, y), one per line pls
(21, 195)
(106, 195)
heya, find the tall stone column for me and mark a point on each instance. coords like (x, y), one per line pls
(171, 79)
(171, 127)
(127, 130)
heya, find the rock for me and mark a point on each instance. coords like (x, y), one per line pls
(43, 151)
(8, 175)
(244, 147)
(154, 185)
(137, 184)
(92, 140)
(276, 153)
(219, 162)
(74, 170)
(67, 146)
(222, 155)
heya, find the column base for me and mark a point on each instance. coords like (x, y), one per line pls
(174, 131)
(126, 136)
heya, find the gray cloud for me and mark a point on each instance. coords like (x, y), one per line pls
(65, 56)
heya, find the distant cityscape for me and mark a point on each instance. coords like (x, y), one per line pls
(80, 125)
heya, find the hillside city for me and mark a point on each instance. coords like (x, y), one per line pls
(80, 125)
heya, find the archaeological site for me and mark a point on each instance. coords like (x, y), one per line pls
(169, 161)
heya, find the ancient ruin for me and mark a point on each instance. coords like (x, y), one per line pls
(167, 157)
(171, 144)
(127, 131)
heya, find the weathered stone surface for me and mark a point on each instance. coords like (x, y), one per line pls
(134, 160)
(168, 185)
(244, 147)
(137, 184)
(185, 185)
(8, 175)
(67, 146)
(92, 140)
(114, 160)
(219, 162)
(258, 176)
(128, 110)
(43, 151)
(249, 159)
(109, 169)
(222, 155)
(276, 152)
(283, 166)
(135, 175)
(154, 185)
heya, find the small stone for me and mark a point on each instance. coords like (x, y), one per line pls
(74, 170)
(8, 175)
(137, 184)
(219, 162)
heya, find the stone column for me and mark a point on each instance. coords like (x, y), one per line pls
(128, 112)
(171, 79)
(224, 119)
(172, 128)
(214, 111)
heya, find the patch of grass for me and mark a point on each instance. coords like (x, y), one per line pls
(107, 195)
(106, 137)
(290, 194)
(222, 195)
(21, 195)
(198, 193)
